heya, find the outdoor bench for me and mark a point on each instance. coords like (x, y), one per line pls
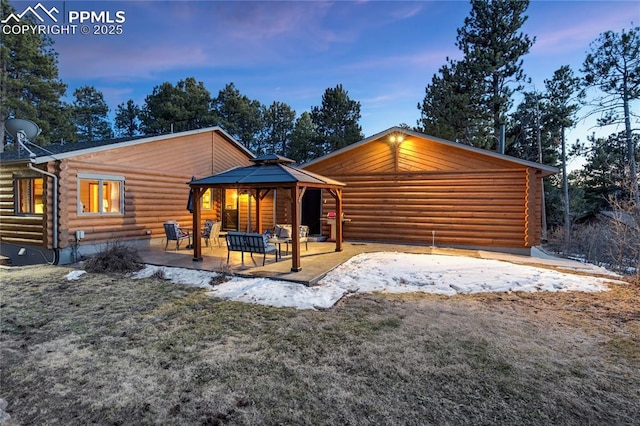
(249, 243)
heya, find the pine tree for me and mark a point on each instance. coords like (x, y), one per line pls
(613, 66)
(561, 108)
(336, 120)
(127, 121)
(303, 137)
(451, 106)
(170, 108)
(493, 50)
(240, 116)
(29, 84)
(90, 114)
(526, 131)
(278, 124)
(604, 174)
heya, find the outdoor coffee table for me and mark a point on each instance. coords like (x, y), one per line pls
(278, 242)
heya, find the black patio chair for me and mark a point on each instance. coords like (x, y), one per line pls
(174, 233)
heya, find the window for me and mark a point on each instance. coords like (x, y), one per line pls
(29, 199)
(100, 194)
(207, 201)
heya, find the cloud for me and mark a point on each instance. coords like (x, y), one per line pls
(427, 60)
(407, 12)
(557, 34)
(124, 63)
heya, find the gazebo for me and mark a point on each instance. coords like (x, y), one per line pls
(268, 172)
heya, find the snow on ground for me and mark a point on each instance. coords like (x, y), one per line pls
(184, 276)
(75, 275)
(389, 273)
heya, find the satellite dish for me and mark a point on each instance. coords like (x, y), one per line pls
(17, 126)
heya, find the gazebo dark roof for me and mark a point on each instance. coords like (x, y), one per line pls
(268, 170)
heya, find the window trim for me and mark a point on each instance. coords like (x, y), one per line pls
(101, 178)
(32, 204)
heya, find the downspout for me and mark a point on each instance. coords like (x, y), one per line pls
(55, 210)
(501, 141)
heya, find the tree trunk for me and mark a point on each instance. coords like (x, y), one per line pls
(540, 159)
(565, 190)
(631, 156)
(496, 108)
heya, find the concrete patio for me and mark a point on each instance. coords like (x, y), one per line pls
(321, 258)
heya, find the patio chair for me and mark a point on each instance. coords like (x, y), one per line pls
(211, 232)
(304, 237)
(174, 233)
(215, 233)
(206, 232)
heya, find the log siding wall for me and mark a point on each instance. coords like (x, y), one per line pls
(409, 192)
(474, 208)
(19, 229)
(155, 189)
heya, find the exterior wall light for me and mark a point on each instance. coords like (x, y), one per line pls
(396, 138)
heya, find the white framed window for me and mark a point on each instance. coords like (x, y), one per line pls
(100, 194)
(29, 198)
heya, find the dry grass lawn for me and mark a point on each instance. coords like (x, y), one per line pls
(108, 350)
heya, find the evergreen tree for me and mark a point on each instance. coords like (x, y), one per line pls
(604, 174)
(29, 84)
(127, 122)
(451, 106)
(469, 102)
(493, 48)
(239, 116)
(526, 131)
(561, 109)
(90, 114)
(303, 137)
(613, 66)
(161, 109)
(532, 139)
(170, 108)
(562, 99)
(336, 120)
(278, 124)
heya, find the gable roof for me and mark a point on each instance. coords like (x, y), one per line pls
(547, 170)
(61, 151)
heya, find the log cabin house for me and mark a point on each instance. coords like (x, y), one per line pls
(71, 199)
(404, 186)
(401, 187)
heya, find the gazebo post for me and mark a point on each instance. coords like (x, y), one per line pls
(258, 213)
(338, 197)
(295, 230)
(197, 243)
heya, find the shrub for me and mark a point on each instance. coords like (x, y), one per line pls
(613, 241)
(114, 257)
(159, 274)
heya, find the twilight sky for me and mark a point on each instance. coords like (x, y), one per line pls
(383, 52)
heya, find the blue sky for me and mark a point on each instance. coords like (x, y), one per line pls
(384, 53)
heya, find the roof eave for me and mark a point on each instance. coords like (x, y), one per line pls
(20, 161)
(547, 170)
(70, 154)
